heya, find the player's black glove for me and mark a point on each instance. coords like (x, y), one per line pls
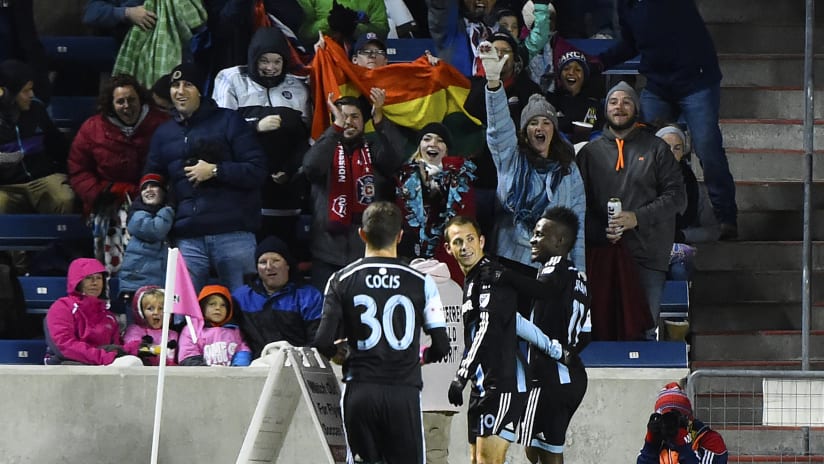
(456, 391)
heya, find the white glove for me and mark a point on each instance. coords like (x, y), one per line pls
(269, 123)
(126, 361)
(492, 63)
(528, 13)
(555, 349)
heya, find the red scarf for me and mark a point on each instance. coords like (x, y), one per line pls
(351, 186)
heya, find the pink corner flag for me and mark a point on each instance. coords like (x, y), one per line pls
(185, 298)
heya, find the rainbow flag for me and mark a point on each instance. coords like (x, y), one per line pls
(417, 93)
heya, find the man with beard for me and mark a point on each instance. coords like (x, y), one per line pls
(630, 164)
(346, 174)
(276, 104)
(458, 27)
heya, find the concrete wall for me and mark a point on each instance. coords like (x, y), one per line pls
(95, 415)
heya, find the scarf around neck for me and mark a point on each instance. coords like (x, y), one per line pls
(351, 185)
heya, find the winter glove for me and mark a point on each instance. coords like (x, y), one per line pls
(114, 348)
(653, 436)
(492, 63)
(242, 358)
(171, 344)
(122, 189)
(456, 391)
(194, 361)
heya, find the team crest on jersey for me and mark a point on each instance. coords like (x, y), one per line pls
(339, 205)
(287, 94)
(483, 299)
(365, 187)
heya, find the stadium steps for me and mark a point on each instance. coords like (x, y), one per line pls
(745, 311)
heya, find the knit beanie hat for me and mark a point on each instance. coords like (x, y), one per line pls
(671, 397)
(189, 72)
(162, 86)
(623, 86)
(672, 129)
(538, 106)
(437, 128)
(14, 75)
(272, 244)
(574, 55)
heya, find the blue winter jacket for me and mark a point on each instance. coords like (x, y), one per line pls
(678, 57)
(231, 201)
(515, 230)
(144, 262)
(291, 314)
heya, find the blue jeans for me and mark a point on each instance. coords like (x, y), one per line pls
(231, 254)
(652, 281)
(700, 111)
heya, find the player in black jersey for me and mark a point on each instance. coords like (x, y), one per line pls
(490, 325)
(379, 305)
(561, 310)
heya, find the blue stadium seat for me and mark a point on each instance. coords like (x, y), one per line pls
(40, 292)
(69, 112)
(635, 354)
(22, 351)
(675, 301)
(97, 53)
(406, 50)
(35, 231)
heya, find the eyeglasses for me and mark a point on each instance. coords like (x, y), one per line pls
(372, 53)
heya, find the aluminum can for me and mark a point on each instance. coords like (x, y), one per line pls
(613, 207)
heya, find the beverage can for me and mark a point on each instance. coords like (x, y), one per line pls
(613, 207)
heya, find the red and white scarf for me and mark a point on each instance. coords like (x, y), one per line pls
(351, 186)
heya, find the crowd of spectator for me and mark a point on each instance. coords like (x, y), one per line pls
(217, 159)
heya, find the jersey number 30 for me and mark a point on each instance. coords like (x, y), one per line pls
(385, 326)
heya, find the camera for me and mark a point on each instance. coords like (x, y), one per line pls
(666, 425)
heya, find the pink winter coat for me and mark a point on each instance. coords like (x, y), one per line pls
(78, 325)
(139, 329)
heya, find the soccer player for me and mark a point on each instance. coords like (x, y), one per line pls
(491, 329)
(560, 310)
(379, 305)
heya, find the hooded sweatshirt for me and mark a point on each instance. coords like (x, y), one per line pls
(437, 376)
(77, 325)
(218, 344)
(136, 331)
(243, 86)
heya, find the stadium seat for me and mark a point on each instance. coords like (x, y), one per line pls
(635, 354)
(675, 301)
(22, 351)
(406, 50)
(36, 231)
(40, 292)
(87, 52)
(69, 112)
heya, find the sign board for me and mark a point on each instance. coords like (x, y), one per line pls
(321, 390)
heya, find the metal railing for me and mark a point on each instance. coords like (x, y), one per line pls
(764, 416)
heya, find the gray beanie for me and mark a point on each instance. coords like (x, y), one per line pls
(538, 106)
(630, 91)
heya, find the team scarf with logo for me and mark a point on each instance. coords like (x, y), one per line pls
(351, 186)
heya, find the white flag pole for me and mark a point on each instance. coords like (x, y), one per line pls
(168, 302)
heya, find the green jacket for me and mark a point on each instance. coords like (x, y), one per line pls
(317, 11)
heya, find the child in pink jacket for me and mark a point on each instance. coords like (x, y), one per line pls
(80, 329)
(220, 342)
(143, 337)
